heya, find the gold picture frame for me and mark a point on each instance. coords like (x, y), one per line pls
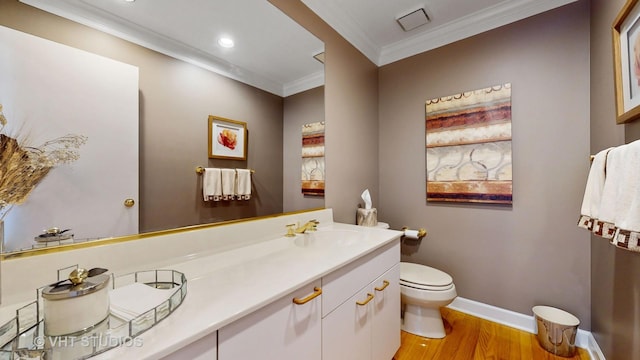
(227, 138)
(626, 62)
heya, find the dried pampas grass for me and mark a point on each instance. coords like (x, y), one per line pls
(23, 167)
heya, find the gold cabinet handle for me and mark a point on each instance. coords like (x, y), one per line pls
(129, 202)
(316, 292)
(385, 283)
(363, 303)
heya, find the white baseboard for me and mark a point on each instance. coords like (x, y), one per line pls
(584, 339)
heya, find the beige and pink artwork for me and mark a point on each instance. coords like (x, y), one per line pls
(468, 146)
(313, 159)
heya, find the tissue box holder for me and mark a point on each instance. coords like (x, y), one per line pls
(367, 217)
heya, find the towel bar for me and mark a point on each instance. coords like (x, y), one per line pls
(200, 170)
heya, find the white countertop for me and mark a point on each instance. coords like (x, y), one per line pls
(224, 286)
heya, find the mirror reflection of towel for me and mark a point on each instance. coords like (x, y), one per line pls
(228, 184)
(212, 184)
(244, 184)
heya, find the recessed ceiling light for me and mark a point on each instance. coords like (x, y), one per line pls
(129, 0)
(225, 42)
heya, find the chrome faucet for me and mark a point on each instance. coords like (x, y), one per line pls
(308, 226)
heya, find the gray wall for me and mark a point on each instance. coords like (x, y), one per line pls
(351, 114)
(615, 273)
(513, 257)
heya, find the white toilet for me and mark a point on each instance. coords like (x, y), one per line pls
(424, 290)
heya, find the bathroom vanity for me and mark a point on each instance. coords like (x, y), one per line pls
(255, 293)
(351, 313)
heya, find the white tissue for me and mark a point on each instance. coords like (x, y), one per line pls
(367, 199)
(411, 234)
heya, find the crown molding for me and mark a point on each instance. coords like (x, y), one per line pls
(485, 20)
(339, 21)
(98, 19)
(504, 13)
(306, 83)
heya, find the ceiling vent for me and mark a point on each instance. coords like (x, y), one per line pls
(413, 19)
(319, 57)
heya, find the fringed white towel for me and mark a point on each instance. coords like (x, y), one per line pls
(228, 184)
(212, 185)
(615, 214)
(605, 224)
(627, 207)
(590, 209)
(244, 184)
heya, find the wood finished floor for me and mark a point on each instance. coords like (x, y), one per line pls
(469, 337)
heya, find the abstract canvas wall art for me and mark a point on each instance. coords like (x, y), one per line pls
(468, 146)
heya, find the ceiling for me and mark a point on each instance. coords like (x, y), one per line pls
(272, 51)
(371, 26)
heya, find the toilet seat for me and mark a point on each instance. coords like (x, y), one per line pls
(424, 277)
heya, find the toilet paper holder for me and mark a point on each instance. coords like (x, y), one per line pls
(414, 234)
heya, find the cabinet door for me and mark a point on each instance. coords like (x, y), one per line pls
(281, 330)
(385, 331)
(346, 332)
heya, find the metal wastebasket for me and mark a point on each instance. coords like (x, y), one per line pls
(556, 330)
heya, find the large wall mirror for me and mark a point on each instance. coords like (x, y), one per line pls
(157, 82)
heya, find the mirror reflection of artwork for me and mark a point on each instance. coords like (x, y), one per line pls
(313, 159)
(227, 138)
(468, 146)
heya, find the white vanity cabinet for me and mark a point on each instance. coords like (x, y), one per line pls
(356, 316)
(280, 330)
(203, 349)
(361, 308)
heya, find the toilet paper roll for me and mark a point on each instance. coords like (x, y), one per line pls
(367, 217)
(411, 234)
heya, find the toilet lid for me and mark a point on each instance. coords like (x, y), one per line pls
(421, 276)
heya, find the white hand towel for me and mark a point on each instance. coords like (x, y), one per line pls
(605, 225)
(211, 184)
(627, 207)
(130, 301)
(590, 209)
(244, 184)
(627, 213)
(228, 184)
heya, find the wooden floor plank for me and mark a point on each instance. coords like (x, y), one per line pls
(471, 338)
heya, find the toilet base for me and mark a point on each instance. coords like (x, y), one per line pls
(423, 321)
